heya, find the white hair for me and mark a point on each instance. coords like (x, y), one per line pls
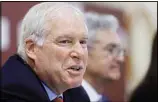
(97, 22)
(34, 23)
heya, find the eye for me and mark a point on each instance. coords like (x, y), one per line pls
(83, 42)
(110, 49)
(65, 41)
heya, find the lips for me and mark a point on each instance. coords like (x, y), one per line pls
(76, 67)
(115, 68)
(75, 70)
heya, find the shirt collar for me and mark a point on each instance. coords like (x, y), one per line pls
(92, 93)
(52, 95)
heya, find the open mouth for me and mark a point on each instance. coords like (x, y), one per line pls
(75, 70)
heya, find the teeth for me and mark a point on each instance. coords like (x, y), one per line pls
(76, 67)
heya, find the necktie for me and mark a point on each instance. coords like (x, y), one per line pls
(58, 99)
(104, 99)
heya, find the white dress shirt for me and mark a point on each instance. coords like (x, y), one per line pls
(92, 93)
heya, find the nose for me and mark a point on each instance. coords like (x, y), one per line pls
(77, 51)
(120, 58)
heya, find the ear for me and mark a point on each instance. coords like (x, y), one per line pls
(30, 49)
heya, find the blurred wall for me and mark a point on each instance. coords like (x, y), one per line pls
(12, 14)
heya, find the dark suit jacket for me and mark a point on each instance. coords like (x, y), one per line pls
(20, 84)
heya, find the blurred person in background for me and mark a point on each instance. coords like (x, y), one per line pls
(146, 91)
(51, 58)
(105, 55)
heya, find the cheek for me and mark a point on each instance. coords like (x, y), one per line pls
(41, 59)
(104, 65)
(55, 55)
(86, 58)
(48, 57)
(60, 56)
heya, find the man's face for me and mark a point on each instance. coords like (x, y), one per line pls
(103, 60)
(62, 59)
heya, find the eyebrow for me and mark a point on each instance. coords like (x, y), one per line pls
(113, 45)
(64, 36)
(70, 37)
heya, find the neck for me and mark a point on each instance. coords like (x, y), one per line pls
(96, 83)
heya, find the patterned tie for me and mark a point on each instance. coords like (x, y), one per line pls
(58, 99)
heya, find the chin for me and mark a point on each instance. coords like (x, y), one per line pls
(75, 83)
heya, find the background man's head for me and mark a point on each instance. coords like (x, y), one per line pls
(104, 48)
(54, 42)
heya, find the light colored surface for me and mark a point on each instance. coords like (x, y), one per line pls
(5, 33)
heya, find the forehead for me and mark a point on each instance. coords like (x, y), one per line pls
(105, 37)
(67, 21)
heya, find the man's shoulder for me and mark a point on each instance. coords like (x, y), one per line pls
(14, 61)
(19, 81)
(16, 70)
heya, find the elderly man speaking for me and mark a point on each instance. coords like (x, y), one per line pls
(51, 56)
